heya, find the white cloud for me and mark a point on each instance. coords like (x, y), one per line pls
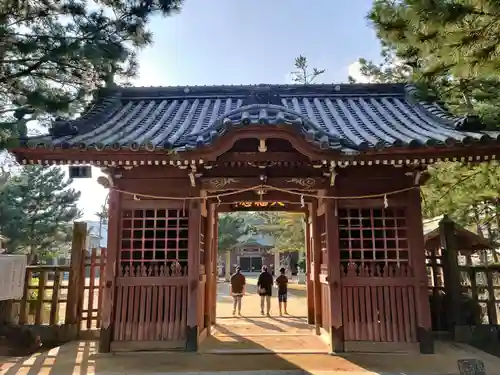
(354, 70)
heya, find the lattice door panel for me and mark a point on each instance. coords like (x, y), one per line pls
(373, 239)
(154, 237)
(151, 302)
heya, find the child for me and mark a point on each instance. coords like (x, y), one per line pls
(282, 282)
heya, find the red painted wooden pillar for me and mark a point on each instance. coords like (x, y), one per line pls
(209, 271)
(316, 251)
(334, 282)
(194, 230)
(215, 248)
(114, 224)
(417, 255)
(309, 282)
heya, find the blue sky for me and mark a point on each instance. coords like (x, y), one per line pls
(249, 42)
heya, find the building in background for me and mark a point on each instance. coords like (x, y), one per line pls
(97, 234)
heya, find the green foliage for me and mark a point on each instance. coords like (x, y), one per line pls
(231, 227)
(303, 74)
(36, 209)
(55, 55)
(447, 49)
(287, 228)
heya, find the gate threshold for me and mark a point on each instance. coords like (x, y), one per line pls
(265, 351)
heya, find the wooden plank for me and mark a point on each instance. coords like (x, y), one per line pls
(54, 304)
(224, 183)
(417, 257)
(90, 301)
(193, 274)
(39, 305)
(309, 273)
(316, 251)
(109, 310)
(132, 346)
(334, 283)
(102, 263)
(75, 290)
(208, 242)
(23, 308)
(375, 313)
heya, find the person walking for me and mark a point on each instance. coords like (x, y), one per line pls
(265, 289)
(282, 283)
(237, 284)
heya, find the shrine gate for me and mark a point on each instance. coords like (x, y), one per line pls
(351, 156)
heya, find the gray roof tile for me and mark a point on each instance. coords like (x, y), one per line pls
(343, 117)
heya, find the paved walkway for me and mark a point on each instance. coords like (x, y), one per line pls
(297, 301)
(281, 341)
(79, 358)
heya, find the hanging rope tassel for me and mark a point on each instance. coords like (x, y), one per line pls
(136, 198)
(302, 203)
(386, 202)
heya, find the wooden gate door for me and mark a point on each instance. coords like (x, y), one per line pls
(152, 284)
(378, 285)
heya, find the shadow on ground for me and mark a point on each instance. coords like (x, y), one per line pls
(282, 343)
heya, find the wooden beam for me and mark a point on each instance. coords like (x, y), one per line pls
(75, 282)
(209, 230)
(270, 196)
(451, 273)
(108, 308)
(261, 156)
(299, 183)
(194, 230)
(417, 255)
(334, 282)
(215, 255)
(316, 250)
(289, 207)
(309, 282)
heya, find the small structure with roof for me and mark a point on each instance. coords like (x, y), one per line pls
(463, 286)
(350, 156)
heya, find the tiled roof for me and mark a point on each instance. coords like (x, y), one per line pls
(343, 117)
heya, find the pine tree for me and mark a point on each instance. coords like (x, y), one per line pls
(422, 44)
(458, 37)
(302, 74)
(448, 50)
(56, 54)
(36, 208)
(231, 227)
(287, 229)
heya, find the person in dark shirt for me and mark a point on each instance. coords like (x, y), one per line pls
(237, 289)
(282, 283)
(265, 289)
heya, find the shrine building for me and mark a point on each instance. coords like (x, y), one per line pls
(352, 157)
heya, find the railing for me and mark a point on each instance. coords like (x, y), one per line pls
(45, 295)
(47, 292)
(480, 289)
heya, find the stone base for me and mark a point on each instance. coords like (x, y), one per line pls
(192, 339)
(426, 340)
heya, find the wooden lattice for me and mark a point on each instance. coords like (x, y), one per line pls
(373, 238)
(153, 237)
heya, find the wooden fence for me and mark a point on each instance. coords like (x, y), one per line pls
(49, 290)
(479, 287)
